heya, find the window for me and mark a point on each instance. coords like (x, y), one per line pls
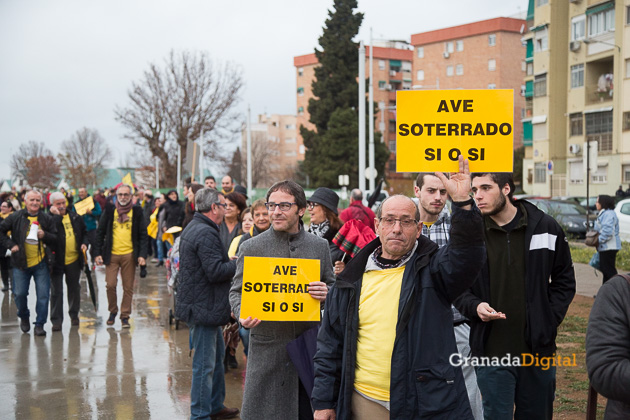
(449, 70)
(406, 66)
(449, 47)
(459, 45)
(459, 69)
(392, 146)
(627, 68)
(576, 122)
(301, 110)
(420, 52)
(492, 64)
(382, 85)
(492, 86)
(300, 91)
(302, 149)
(578, 26)
(577, 76)
(627, 15)
(523, 65)
(541, 2)
(540, 43)
(540, 173)
(626, 121)
(392, 165)
(530, 69)
(602, 22)
(300, 71)
(289, 127)
(600, 176)
(290, 140)
(420, 75)
(492, 40)
(625, 170)
(290, 153)
(576, 172)
(599, 128)
(381, 64)
(540, 85)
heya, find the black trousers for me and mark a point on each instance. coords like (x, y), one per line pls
(91, 237)
(73, 274)
(5, 267)
(607, 264)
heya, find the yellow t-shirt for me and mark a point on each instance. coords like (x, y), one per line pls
(34, 253)
(71, 243)
(428, 224)
(122, 243)
(378, 315)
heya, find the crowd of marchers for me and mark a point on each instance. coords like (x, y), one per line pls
(462, 269)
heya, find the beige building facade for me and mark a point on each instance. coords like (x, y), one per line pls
(578, 53)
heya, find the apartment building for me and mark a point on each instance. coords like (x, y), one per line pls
(577, 67)
(392, 69)
(481, 55)
(276, 149)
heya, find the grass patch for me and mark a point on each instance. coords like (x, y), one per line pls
(582, 254)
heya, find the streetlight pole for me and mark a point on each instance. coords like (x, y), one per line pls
(362, 117)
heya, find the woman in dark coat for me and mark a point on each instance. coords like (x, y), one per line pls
(325, 222)
(231, 226)
(173, 211)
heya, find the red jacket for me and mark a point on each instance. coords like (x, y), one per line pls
(359, 212)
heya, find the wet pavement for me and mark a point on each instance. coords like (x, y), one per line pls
(98, 372)
(95, 371)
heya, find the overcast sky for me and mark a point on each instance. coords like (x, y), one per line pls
(65, 64)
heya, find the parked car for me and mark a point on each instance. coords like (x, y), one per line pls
(581, 200)
(623, 214)
(570, 215)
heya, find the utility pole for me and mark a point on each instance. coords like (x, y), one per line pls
(372, 164)
(250, 190)
(362, 116)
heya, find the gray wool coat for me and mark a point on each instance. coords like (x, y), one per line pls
(271, 381)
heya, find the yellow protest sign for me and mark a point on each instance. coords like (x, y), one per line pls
(433, 127)
(84, 205)
(276, 289)
(127, 180)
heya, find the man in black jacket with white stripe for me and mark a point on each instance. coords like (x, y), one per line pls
(518, 302)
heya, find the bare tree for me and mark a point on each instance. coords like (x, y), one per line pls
(190, 94)
(84, 157)
(265, 153)
(36, 164)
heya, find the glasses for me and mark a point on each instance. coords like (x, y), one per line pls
(224, 205)
(390, 222)
(311, 206)
(284, 206)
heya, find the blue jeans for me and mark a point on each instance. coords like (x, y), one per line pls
(530, 388)
(162, 249)
(244, 334)
(21, 284)
(207, 392)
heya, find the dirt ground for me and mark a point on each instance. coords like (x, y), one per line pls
(572, 381)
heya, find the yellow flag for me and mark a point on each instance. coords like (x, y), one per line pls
(127, 180)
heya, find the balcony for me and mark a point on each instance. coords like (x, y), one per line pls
(598, 81)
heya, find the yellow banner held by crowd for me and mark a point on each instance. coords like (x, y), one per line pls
(127, 180)
(433, 127)
(276, 289)
(84, 205)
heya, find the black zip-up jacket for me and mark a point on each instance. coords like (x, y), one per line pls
(423, 383)
(18, 224)
(549, 286)
(104, 234)
(80, 238)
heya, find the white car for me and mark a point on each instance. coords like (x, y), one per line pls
(623, 214)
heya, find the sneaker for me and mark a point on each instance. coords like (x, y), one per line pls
(55, 327)
(25, 325)
(39, 330)
(125, 322)
(112, 318)
(154, 260)
(75, 322)
(225, 413)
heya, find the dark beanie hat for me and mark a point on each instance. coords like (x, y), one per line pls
(326, 197)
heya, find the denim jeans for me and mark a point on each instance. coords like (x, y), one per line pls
(530, 388)
(207, 392)
(162, 249)
(244, 334)
(21, 283)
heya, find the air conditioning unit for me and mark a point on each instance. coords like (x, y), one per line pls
(574, 45)
(392, 72)
(574, 148)
(388, 87)
(446, 54)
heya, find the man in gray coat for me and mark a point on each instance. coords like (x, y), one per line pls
(272, 386)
